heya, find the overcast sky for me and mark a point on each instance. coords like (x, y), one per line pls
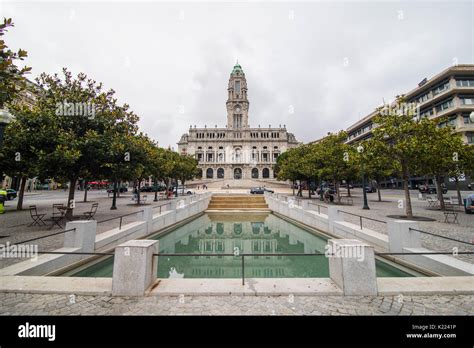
(330, 62)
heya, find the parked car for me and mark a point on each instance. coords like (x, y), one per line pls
(370, 189)
(180, 190)
(11, 194)
(260, 190)
(120, 189)
(431, 189)
(147, 189)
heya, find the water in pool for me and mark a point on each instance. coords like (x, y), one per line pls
(251, 233)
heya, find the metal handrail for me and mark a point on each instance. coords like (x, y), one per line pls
(362, 217)
(319, 206)
(120, 217)
(161, 205)
(41, 237)
(437, 235)
(242, 256)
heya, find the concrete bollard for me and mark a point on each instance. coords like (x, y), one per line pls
(135, 267)
(147, 217)
(334, 215)
(83, 237)
(400, 236)
(352, 267)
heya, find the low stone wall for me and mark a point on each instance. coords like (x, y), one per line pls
(399, 238)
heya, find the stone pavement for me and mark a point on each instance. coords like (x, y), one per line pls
(55, 304)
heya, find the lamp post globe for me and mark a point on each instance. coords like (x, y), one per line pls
(471, 117)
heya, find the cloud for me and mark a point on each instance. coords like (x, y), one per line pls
(333, 63)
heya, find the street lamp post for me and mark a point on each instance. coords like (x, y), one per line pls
(360, 149)
(5, 118)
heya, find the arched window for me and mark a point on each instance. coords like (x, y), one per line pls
(220, 173)
(254, 173)
(265, 173)
(237, 173)
(209, 173)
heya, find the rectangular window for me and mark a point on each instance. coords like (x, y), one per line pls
(467, 120)
(445, 105)
(440, 88)
(237, 87)
(465, 83)
(470, 137)
(426, 113)
(467, 101)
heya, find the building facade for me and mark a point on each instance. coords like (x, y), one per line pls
(236, 151)
(449, 94)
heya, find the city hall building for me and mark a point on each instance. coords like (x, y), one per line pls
(236, 151)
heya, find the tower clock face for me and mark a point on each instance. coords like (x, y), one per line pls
(237, 109)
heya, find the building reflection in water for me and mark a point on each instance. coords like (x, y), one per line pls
(236, 234)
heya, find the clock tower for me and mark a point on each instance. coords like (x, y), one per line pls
(237, 102)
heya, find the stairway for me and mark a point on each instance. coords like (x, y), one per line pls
(237, 202)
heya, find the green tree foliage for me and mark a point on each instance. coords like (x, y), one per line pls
(11, 77)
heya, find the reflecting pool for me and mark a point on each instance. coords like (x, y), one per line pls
(235, 233)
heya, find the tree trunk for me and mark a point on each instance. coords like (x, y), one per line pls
(19, 205)
(156, 190)
(293, 187)
(378, 191)
(182, 183)
(348, 189)
(458, 190)
(167, 183)
(70, 199)
(85, 191)
(138, 191)
(439, 191)
(309, 189)
(408, 209)
(114, 197)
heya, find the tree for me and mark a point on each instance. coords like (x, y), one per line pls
(439, 155)
(464, 168)
(400, 138)
(377, 165)
(284, 167)
(336, 158)
(79, 109)
(27, 135)
(11, 77)
(186, 168)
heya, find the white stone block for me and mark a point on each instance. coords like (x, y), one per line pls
(400, 236)
(83, 237)
(135, 267)
(352, 267)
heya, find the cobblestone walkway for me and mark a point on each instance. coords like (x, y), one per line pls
(55, 304)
